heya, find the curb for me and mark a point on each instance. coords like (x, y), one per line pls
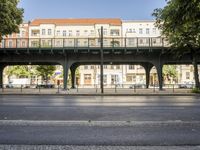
(43, 94)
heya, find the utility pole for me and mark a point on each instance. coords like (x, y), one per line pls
(101, 72)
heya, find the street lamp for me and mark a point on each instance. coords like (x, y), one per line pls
(101, 66)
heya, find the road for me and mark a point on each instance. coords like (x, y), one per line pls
(90, 120)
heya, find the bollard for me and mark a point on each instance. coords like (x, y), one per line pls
(115, 88)
(2, 88)
(77, 88)
(134, 88)
(173, 88)
(21, 88)
(58, 89)
(154, 88)
(39, 88)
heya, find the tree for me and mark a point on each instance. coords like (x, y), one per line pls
(179, 22)
(170, 72)
(45, 71)
(19, 71)
(10, 17)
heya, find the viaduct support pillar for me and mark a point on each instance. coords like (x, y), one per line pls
(147, 67)
(73, 76)
(65, 73)
(159, 69)
(1, 75)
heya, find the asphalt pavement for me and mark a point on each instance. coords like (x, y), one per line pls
(100, 121)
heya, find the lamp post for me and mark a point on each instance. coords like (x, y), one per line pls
(102, 88)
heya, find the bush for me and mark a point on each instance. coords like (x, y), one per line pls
(195, 90)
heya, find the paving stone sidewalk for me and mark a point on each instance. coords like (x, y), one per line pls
(57, 147)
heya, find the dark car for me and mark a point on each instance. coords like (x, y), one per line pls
(48, 86)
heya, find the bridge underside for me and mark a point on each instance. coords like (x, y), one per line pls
(71, 58)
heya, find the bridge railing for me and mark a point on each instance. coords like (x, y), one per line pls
(145, 42)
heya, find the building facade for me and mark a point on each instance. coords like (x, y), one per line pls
(86, 32)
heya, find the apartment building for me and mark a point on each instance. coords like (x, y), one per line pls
(17, 39)
(86, 32)
(72, 32)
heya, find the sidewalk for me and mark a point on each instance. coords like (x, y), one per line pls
(97, 92)
(67, 147)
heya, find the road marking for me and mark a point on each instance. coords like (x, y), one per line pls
(94, 123)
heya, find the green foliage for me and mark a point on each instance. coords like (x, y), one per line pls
(10, 17)
(195, 90)
(45, 71)
(170, 71)
(179, 22)
(19, 71)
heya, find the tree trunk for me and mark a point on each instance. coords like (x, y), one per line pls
(196, 74)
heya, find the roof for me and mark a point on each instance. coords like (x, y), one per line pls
(114, 21)
(138, 21)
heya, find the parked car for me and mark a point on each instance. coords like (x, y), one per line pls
(9, 85)
(45, 86)
(187, 85)
(137, 86)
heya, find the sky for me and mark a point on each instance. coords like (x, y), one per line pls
(124, 9)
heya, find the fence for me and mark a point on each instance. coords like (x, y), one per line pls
(95, 88)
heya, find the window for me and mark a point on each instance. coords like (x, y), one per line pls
(23, 44)
(92, 67)
(77, 33)
(131, 67)
(85, 43)
(105, 32)
(58, 43)
(43, 32)
(64, 33)
(49, 42)
(117, 66)
(153, 41)
(105, 67)
(129, 78)
(87, 78)
(70, 32)
(140, 31)
(10, 44)
(86, 32)
(187, 75)
(58, 32)
(18, 35)
(18, 43)
(23, 33)
(154, 30)
(49, 32)
(34, 44)
(147, 30)
(114, 32)
(85, 67)
(104, 79)
(114, 79)
(131, 41)
(92, 32)
(35, 32)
